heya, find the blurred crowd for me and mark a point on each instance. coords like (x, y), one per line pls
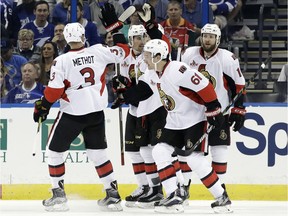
(32, 35)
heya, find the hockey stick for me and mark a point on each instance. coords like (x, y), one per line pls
(127, 13)
(191, 149)
(37, 136)
(117, 69)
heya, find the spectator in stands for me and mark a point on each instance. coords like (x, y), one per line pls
(25, 46)
(61, 9)
(133, 20)
(43, 30)
(3, 89)
(95, 13)
(225, 11)
(6, 15)
(91, 33)
(59, 39)
(4, 32)
(283, 77)
(126, 3)
(48, 53)
(29, 90)
(12, 62)
(110, 70)
(51, 4)
(179, 31)
(160, 7)
(192, 12)
(21, 15)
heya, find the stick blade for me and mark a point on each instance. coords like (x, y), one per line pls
(127, 13)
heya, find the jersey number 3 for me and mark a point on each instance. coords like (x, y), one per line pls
(89, 80)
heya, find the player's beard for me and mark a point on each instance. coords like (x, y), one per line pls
(209, 48)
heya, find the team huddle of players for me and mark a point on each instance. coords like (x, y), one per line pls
(171, 104)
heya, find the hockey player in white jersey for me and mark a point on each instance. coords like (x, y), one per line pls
(189, 99)
(78, 80)
(222, 69)
(136, 142)
(139, 138)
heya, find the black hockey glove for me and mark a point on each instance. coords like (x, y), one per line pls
(117, 102)
(41, 109)
(237, 117)
(120, 83)
(109, 18)
(214, 114)
(147, 15)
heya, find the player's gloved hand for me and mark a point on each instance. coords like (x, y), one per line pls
(109, 18)
(117, 102)
(147, 15)
(237, 117)
(120, 83)
(41, 109)
(214, 114)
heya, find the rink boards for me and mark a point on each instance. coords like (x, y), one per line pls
(257, 166)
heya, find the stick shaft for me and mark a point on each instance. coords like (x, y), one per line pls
(37, 136)
(117, 69)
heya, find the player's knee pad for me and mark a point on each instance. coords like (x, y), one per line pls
(54, 158)
(197, 161)
(219, 153)
(162, 153)
(135, 157)
(146, 153)
(182, 159)
(98, 156)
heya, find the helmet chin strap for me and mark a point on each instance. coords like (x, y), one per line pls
(155, 63)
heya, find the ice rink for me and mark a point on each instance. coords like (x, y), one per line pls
(89, 207)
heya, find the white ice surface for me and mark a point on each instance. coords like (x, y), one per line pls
(89, 208)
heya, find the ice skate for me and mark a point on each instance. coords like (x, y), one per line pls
(58, 202)
(222, 204)
(153, 195)
(133, 198)
(112, 201)
(172, 204)
(185, 194)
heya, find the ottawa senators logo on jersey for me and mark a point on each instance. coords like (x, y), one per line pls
(132, 73)
(209, 77)
(166, 100)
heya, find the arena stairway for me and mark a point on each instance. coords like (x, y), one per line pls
(269, 20)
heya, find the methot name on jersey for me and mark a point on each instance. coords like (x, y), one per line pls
(83, 60)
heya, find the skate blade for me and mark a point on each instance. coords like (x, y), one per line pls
(131, 204)
(57, 208)
(175, 209)
(145, 205)
(223, 209)
(186, 202)
(112, 207)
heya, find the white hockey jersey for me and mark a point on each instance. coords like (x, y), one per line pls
(180, 88)
(130, 68)
(221, 67)
(78, 78)
(153, 102)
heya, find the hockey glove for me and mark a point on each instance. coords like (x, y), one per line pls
(109, 18)
(41, 109)
(117, 102)
(214, 114)
(237, 117)
(147, 15)
(120, 83)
